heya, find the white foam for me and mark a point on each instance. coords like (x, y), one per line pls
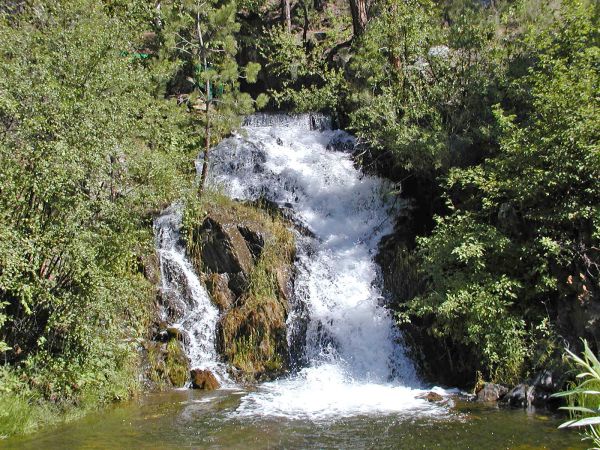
(187, 305)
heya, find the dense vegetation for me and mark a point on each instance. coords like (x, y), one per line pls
(91, 148)
(486, 116)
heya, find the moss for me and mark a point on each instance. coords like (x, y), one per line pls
(176, 363)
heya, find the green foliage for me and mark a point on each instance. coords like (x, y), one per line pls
(470, 296)
(308, 82)
(524, 223)
(202, 36)
(584, 398)
(88, 154)
(177, 365)
(423, 88)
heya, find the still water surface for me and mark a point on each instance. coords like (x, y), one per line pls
(193, 419)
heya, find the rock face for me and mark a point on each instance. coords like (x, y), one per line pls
(246, 256)
(204, 379)
(491, 392)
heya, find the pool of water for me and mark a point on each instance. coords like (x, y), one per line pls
(194, 419)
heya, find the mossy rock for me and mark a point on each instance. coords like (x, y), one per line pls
(253, 337)
(176, 363)
(246, 255)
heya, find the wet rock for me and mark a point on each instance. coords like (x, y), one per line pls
(238, 283)
(204, 379)
(341, 143)
(232, 239)
(432, 397)
(164, 364)
(517, 396)
(177, 363)
(538, 397)
(546, 381)
(174, 333)
(491, 392)
(252, 337)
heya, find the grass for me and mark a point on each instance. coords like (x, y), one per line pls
(584, 397)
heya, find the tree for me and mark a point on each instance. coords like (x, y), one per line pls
(205, 39)
(88, 152)
(517, 256)
(358, 9)
(286, 13)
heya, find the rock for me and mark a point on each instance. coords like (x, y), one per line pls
(177, 363)
(517, 396)
(254, 239)
(491, 392)
(218, 288)
(175, 333)
(341, 143)
(227, 246)
(204, 379)
(432, 397)
(538, 397)
(439, 51)
(279, 141)
(546, 381)
(223, 248)
(164, 364)
(238, 283)
(252, 337)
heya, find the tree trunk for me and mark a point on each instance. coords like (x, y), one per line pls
(206, 145)
(207, 101)
(286, 13)
(306, 23)
(358, 8)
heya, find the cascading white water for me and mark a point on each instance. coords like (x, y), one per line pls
(354, 359)
(186, 303)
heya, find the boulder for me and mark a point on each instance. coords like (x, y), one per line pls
(491, 392)
(177, 363)
(223, 248)
(204, 379)
(547, 381)
(255, 239)
(517, 396)
(252, 337)
(174, 333)
(538, 397)
(432, 397)
(341, 143)
(246, 254)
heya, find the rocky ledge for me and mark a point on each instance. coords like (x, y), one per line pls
(245, 255)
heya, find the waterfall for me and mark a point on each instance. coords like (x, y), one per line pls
(351, 354)
(186, 304)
